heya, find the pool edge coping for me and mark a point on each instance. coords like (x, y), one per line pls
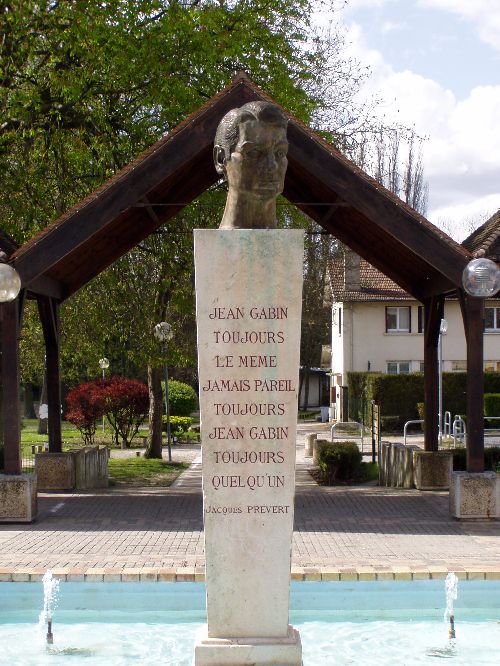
(197, 574)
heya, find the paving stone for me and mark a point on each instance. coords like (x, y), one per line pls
(122, 532)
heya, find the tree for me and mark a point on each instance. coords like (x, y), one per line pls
(84, 87)
(316, 314)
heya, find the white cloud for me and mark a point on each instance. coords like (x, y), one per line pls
(460, 221)
(390, 26)
(484, 14)
(366, 4)
(462, 153)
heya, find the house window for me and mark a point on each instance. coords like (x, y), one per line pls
(492, 366)
(398, 319)
(398, 367)
(420, 318)
(421, 366)
(340, 321)
(492, 319)
(459, 366)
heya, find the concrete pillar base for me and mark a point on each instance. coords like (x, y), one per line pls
(309, 445)
(475, 495)
(18, 498)
(285, 651)
(432, 469)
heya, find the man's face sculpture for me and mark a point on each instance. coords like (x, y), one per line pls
(256, 163)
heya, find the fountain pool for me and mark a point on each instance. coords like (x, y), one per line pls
(376, 622)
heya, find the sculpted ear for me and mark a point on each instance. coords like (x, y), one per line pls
(220, 160)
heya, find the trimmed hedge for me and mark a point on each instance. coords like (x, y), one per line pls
(339, 461)
(401, 394)
(178, 424)
(491, 458)
(182, 398)
(492, 404)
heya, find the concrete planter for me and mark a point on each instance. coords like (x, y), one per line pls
(396, 465)
(80, 469)
(18, 498)
(55, 471)
(432, 469)
(475, 496)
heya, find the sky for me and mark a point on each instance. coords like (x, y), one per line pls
(435, 65)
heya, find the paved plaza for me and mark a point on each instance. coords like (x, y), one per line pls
(157, 533)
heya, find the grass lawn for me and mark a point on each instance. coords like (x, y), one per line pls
(143, 472)
(71, 436)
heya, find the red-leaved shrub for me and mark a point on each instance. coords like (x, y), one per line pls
(124, 402)
(85, 408)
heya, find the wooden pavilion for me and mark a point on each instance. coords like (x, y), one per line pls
(320, 181)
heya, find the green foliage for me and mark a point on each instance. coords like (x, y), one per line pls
(339, 461)
(178, 424)
(85, 87)
(492, 404)
(182, 398)
(403, 395)
(491, 458)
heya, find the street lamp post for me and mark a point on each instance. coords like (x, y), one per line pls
(443, 327)
(163, 333)
(104, 365)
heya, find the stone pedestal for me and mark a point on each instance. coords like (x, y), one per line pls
(475, 495)
(55, 471)
(18, 499)
(255, 651)
(248, 309)
(432, 469)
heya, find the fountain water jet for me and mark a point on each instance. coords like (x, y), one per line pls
(50, 592)
(451, 588)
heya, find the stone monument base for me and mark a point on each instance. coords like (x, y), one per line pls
(18, 498)
(249, 651)
(432, 469)
(475, 495)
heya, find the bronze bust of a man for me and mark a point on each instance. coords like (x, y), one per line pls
(250, 151)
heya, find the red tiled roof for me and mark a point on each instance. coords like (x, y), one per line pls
(374, 285)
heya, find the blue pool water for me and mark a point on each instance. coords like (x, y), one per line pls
(379, 622)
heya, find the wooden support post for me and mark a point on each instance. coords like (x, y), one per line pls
(11, 417)
(473, 316)
(49, 315)
(433, 313)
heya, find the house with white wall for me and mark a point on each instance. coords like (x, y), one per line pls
(378, 326)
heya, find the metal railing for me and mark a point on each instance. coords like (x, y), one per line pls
(28, 457)
(347, 428)
(415, 434)
(459, 431)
